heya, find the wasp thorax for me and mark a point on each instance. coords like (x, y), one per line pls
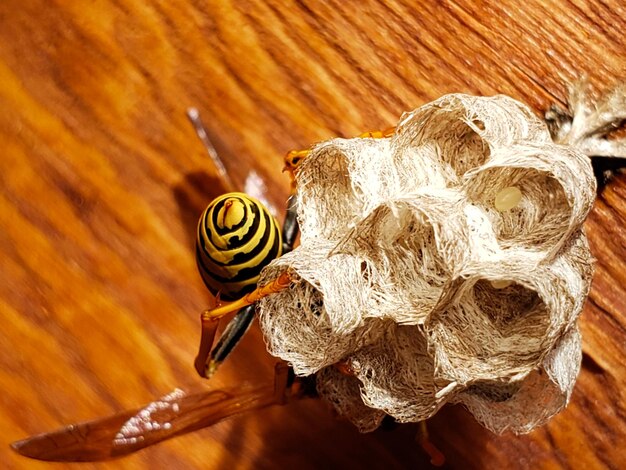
(237, 238)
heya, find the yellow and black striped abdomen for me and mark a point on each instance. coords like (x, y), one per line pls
(237, 237)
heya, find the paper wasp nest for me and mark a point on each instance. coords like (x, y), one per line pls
(413, 271)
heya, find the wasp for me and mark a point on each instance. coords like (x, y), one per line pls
(236, 238)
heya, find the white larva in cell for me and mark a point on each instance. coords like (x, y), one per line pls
(507, 198)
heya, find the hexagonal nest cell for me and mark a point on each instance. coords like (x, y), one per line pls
(411, 273)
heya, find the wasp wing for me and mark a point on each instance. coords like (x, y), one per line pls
(115, 436)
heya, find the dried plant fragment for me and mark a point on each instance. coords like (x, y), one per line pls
(594, 125)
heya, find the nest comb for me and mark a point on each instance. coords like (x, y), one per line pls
(446, 263)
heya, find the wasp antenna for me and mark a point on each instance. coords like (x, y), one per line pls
(194, 116)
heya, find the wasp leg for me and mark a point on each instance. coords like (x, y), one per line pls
(210, 320)
(287, 386)
(280, 283)
(294, 157)
(345, 367)
(378, 134)
(240, 324)
(436, 456)
(209, 327)
(282, 382)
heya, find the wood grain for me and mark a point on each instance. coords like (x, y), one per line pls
(102, 179)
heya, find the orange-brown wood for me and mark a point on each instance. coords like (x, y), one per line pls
(102, 179)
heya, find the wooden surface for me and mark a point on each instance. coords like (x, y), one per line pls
(102, 179)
